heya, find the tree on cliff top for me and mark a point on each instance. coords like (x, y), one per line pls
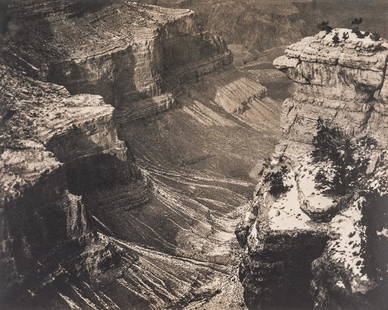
(324, 26)
(336, 38)
(375, 36)
(355, 25)
(356, 22)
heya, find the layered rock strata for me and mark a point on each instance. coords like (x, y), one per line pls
(275, 23)
(69, 188)
(72, 231)
(55, 148)
(315, 231)
(124, 51)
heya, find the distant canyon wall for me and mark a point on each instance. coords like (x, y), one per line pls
(264, 24)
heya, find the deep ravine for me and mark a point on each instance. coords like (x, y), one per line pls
(137, 204)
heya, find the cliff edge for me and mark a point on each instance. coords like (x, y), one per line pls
(315, 233)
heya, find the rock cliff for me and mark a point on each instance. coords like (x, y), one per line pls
(315, 231)
(275, 23)
(121, 50)
(55, 149)
(104, 207)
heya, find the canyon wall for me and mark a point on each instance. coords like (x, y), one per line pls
(96, 199)
(123, 50)
(315, 231)
(55, 149)
(276, 23)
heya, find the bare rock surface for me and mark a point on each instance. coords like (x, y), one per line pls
(124, 50)
(50, 140)
(303, 232)
(352, 71)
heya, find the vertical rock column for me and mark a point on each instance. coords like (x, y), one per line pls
(314, 235)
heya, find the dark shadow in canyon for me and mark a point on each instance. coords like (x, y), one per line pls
(281, 276)
(375, 218)
(279, 90)
(47, 255)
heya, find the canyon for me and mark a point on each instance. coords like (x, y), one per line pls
(132, 139)
(123, 134)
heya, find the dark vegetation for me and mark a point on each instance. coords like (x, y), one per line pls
(324, 26)
(275, 180)
(345, 36)
(375, 36)
(356, 29)
(356, 22)
(345, 162)
(336, 39)
(355, 26)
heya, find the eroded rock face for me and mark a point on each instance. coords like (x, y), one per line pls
(69, 148)
(354, 71)
(78, 219)
(311, 243)
(124, 51)
(275, 23)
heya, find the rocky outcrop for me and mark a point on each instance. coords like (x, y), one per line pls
(124, 51)
(70, 148)
(351, 74)
(314, 233)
